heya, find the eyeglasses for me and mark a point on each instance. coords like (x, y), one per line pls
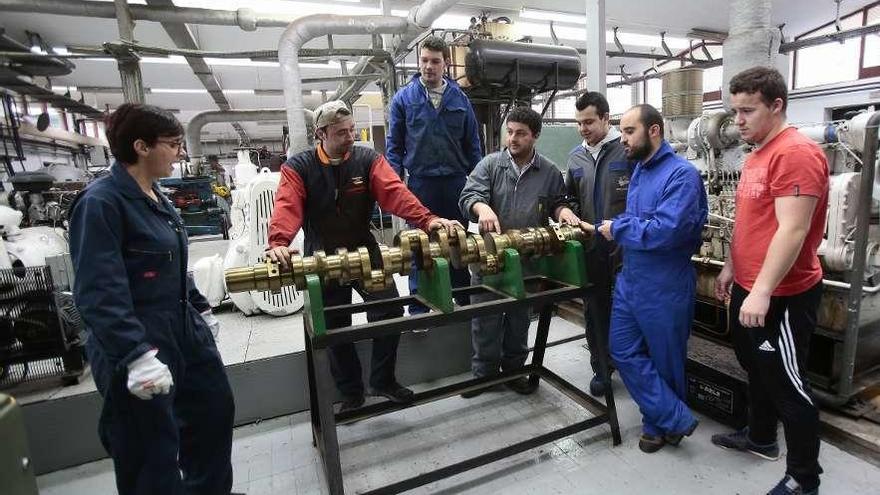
(177, 144)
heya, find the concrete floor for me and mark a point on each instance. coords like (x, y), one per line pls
(276, 456)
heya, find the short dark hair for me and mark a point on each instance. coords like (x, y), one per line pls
(649, 116)
(436, 44)
(595, 99)
(133, 121)
(764, 80)
(527, 116)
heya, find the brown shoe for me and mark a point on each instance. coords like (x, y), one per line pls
(650, 443)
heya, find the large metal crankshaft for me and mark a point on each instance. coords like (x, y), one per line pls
(462, 249)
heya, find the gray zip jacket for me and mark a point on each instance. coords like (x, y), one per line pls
(520, 201)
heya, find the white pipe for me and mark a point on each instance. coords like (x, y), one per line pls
(195, 125)
(244, 18)
(420, 18)
(297, 34)
(828, 283)
(751, 42)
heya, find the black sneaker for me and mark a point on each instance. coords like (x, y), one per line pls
(521, 386)
(650, 443)
(396, 393)
(790, 486)
(739, 440)
(470, 394)
(675, 438)
(350, 403)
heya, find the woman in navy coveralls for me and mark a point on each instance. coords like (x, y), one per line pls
(168, 408)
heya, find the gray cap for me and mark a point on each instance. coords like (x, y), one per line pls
(330, 113)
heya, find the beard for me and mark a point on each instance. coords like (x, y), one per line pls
(639, 151)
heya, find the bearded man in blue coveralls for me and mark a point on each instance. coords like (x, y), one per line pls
(433, 135)
(653, 306)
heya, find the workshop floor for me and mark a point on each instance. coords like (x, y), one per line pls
(276, 456)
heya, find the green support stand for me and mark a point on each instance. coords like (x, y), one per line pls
(435, 286)
(314, 305)
(568, 266)
(510, 280)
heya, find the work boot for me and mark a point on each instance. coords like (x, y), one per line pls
(650, 443)
(395, 392)
(739, 440)
(521, 386)
(675, 438)
(351, 402)
(598, 386)
(790, 486)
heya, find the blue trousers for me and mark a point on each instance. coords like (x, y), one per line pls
(440, 195)
(650, 325)
(174, 444)
(500, 341)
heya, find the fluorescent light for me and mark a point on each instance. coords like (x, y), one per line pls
(64, 88)
(297, 9)
(575, 33)
(199, 91)
(548, 15)
(60, 50)
(239, 62)
(178, 90)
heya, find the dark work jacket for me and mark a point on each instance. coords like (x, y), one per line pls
(338, 205)
(131, 284)
(604, 199)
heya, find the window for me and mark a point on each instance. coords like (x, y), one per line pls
(871, 51)
(853, 59)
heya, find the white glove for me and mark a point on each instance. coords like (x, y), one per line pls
(212, 323)
(147, 376)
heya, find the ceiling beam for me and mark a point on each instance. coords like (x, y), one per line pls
(182, 37)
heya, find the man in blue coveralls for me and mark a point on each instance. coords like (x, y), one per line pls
(433, 135)
(666, 209)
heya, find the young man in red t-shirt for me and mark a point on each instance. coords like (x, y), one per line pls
(773, 278)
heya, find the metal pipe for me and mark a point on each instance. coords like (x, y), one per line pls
(128, 64)
(863, 220)
(244, 18)
(420, 19)
(827, 283)
(297, 34)
(199, 120)
(752, 41)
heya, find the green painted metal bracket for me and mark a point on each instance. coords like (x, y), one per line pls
(435, 286)
(314, 305)
(510, 280)
(569, 266)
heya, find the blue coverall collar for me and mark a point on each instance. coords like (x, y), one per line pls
(125, 182)
(660, 155)
(416, 78)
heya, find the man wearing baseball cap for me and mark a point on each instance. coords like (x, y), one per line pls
(331, 192)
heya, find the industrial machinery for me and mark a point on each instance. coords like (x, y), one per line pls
(557, 257)
(252, 203)
(199, 207)
(41, 333)
(498, 70)
(845, 350)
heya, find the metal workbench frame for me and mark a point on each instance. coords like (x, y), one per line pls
(542, 294)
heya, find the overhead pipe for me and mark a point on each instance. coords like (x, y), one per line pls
(244, 18)
(200, 120)
(300, 31)
(753, 41)
(420, 19)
